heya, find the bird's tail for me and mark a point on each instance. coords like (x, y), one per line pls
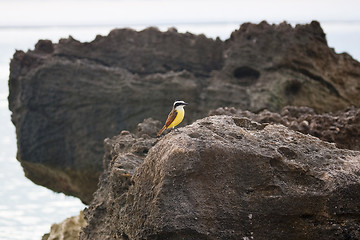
(161, 131)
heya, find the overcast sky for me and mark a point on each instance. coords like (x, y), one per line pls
(154, 12)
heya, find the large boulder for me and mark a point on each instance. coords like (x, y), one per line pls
(67, 97)
(226, 177)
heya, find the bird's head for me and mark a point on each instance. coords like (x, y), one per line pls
(179, 104)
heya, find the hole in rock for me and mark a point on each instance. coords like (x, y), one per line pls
(246, 76)
(287, 152)
(293, 87)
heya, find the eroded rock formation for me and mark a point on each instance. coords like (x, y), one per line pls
(67, 97)
(226, 177)
(342, 127)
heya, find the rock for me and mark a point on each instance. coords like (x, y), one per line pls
(69, 229)
(341, 128)
(67, 97)
(123, 154)
(226, 177)
(272, 66)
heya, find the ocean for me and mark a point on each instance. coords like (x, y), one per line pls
(28, 210)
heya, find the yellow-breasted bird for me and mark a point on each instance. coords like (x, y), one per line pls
(175, 116)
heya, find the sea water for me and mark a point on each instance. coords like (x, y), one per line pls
(28, 210)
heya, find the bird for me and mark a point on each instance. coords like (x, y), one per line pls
(175, 116)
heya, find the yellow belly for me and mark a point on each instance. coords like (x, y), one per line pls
(178, 119)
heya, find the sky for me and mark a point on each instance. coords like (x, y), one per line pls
(19, 13)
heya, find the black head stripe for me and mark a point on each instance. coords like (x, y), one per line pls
(179, 103)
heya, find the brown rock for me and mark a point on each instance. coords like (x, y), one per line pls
(123, 154)
(342, 127)
(227, 177)
(67, 97)
(69, 229)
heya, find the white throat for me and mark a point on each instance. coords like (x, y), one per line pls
(181, 107)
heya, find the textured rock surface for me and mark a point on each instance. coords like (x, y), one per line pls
(123, 154)
(271, 66)
(342, 128)
(67, 97)
(69, 229)
(226, 177)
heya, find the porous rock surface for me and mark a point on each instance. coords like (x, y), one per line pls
(69, 229)
(67, 97)
(226, 177)
(342, 127)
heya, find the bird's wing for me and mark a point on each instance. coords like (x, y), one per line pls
(171, 117)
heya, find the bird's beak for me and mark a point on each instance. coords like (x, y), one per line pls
(185, 103)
